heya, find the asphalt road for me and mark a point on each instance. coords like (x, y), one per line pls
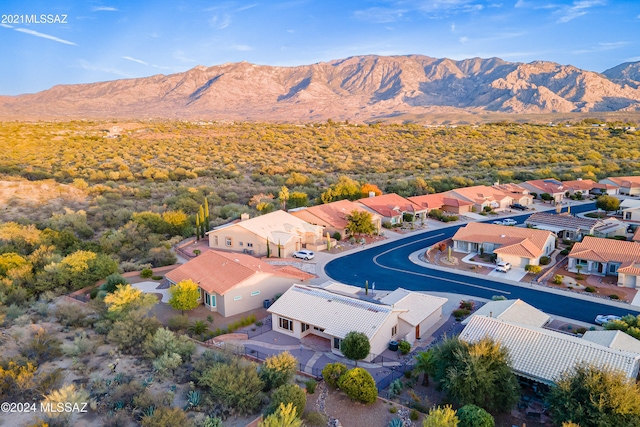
(389, 267)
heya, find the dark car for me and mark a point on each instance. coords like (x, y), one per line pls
(519, 207)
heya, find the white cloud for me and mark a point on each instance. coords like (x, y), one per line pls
(249, 6)
(45, 36)
(463, 39)
(577, 9)
(380, 15)
(241, 47)
(182, 56)
(220, 22)
(85, 65)
(139, 61)
(6, 26)
(104, 9)
(453, 28)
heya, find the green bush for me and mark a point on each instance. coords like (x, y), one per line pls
(404, 347)
(590, 289)
(474, 416)
(533, 269)
(545, 260)
(581, 330)
(146, 273)
(337, 236)
(332, 373)
(315, 418)
(414, 415)
(557, 279)
(288, 393)
(564, 252)
(460, 313)
(178, 323)
(278, 370)
(614, 296)
(359, 385)
(310, 385)
(156, 277)
(393, 410)
(469, 305)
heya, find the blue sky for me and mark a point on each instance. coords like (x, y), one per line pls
(107, 40)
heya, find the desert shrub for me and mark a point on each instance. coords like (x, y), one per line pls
(614, 296)
(236, 385)
(13, 312)
(332, 373)
(581, 330)
(414, 415)
(310, 385)
(337, 236)
(460, 313)
(71, 315)
(156, 277)
(590, 289)
(146, 399)
(166, 416)
(359, 385)
(81, 346)
(146, 273)
(178, 323)
(165, 341)
(123, 395)
(565, 252)
(545, 260)
(393, 410)
(557, 279)
(474, 416)
(130, 333)
(167, 362)
(278, 370)
(65, 395)
(41, 347)
(288, 393)
(315, 418)
(113, 280)
(469, 305)
(404, 347)
(533, 269)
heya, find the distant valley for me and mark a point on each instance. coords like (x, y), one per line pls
(359, 89)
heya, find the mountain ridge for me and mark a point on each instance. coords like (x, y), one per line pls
(358, 88)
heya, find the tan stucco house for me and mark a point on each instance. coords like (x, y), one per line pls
(518, 246)
(391, 208)
(628, 185)
(333, 216)
(550, 186)
(278, 228)
(233, 283)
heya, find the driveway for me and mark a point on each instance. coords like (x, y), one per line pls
(516, 274)
(152, 287)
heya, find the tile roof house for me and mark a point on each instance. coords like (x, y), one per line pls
(584, 186)
(305, 310)
(276, 228)
(519, 246)
(613, 339)
(233, 283)
(636, 235)
(543, 355)
(550, 186)
(628, 185)
(595, 255)
(610, 189)
(610, 227)
(630, 209)
(483, 196)
(391, 207)
(333, 216)
(520, 194)
(565, 226)
(513, 311)
(444, 202)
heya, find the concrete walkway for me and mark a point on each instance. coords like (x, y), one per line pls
(152, 287)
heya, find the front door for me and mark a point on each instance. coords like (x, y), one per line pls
(417, 331)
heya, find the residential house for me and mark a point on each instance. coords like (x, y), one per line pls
(627, 185)
(513, 311)
(444, 202)
(519, 194)
(636, 235)
(232, 283)
(279, 231)
(305, 310)
(483, 197)
(333, 216)
(607, 257)
(610, 227)
(613, 339)
(392, 207)
(601, 189)
(543, 355)
(518, 246)
(630, 209)
(565, 226)
(582, 186)
(550, 186)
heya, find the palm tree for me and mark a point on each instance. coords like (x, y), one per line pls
(199, 328)
(424, 364)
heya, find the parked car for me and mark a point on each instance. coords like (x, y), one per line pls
(519, 207)
(498, 222)
(503, 267)
(304, 254)
(509, 221)
(601, 319)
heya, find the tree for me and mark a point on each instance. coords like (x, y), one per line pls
(607, 203)
(360, 222)
(167, 362)
(289, 393)
(369, 188)
(199, 327)
(284, 416)
(235, 384)
(345, 188)
(131, 332)
(546, 197)
(442, 416)
(533, 269)
(629, 324)
(283, 196)
(355, 346)
(476, 373)
(113, 280)
(591, 396)
(332, 373)
(358, 384)
(474, 416)
(424, 364)
(298, 199)
(127, 299)
(166, 341)
(278, 370)
(184, 295)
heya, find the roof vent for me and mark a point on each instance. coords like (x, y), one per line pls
(503, 236)
(372, 194)
(244, 217)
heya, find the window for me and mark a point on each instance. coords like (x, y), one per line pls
(237, 298)
(582, 262)
(213, 301)
(336, 343)
(207, 299)
(215, 240)
(285, 323)
(394, 331)
(318, 329)
(305, 327)
(239, 243)
(227, 241)
(627, 215)
(254, 293)
(613, 268)
(249, 245)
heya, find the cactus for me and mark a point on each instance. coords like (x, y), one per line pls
(395, 387)
(193, 399)
(396, 422)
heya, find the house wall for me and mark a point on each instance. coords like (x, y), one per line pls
(628, 280)
(267, 286)
(429, 322)
(312, 219)
(380, 341)
(407, 331)
(456, 209)
(631, 214)
(243, 240)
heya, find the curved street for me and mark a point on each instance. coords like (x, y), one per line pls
(389, 266)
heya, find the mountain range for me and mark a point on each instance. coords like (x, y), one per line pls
(359, 88)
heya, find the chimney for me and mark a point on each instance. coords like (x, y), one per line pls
(244, 217)
(579, 179)
(372, 194)
(491, 314)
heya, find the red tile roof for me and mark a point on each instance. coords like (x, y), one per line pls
(524, 242)
(334, 213)
(550, 185)
(219, 272)
(606, 250)
(579, 184)
(390, 205)
(429, 201)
